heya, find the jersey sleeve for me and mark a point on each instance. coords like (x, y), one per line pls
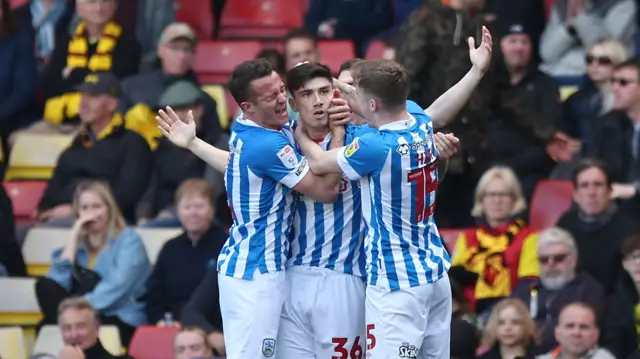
(363, 156)
(280, 160)
(414, 109)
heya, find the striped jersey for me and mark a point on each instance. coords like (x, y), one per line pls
(398, 169)
(263, 167)
(331, 235)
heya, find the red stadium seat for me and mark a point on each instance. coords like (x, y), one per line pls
(450, 237)
(215, 60)
(263, 19)
(375, 50)
(198, 14)
(334, 53)
(25, 197)
(17, 3)
(550, 200)
(150, 342)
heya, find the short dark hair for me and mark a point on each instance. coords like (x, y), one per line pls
(275, 58)
(586, 164)
(298, 76)
(384, 79)
(630, 245)
(300, 33)
(631, 63)
(245, 73)
(349, 64)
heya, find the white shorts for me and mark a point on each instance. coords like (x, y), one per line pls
(251, 314)
(323, 315)
(410, 323)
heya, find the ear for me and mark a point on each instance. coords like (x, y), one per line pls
(292, 103)
(246, 107)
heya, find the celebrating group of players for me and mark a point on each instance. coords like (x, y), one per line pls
(334, 252)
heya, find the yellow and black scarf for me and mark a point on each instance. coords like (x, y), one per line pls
(87, 138)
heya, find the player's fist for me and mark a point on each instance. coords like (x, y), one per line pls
(446, 144)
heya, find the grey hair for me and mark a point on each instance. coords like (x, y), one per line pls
(555, 235)
(78, 303)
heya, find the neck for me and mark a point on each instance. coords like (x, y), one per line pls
(602, 85)
(566, 355)
(195, 236)
(317, 133)
(96, 240)
(493, 223)
(516, 74)
(385, 119)
(457, 4)
(634, 114)
(94, 30)
(511, 351)
(100, 125)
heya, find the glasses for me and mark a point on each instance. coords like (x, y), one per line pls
(600, 60)
(558, 258)
(635, 257)
(497, 194)
(621, 81)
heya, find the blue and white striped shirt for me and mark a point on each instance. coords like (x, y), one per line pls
(398, 169)
(263, 167)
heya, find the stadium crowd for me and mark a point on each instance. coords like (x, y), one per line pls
(99, 70)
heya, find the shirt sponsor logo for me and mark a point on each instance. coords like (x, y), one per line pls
(352, 148)
(288, 157)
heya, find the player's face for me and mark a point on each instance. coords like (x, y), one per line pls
(625, 88)
(189, 345)
(510, 330)
(368, 107)
(557, 265)
(312, 101)
(631, 264)
(576, 330)
(516, 49)
(300, 50)
(347, 78)
(591, 193)
(599, 65)
(497, 200)
(269, 107)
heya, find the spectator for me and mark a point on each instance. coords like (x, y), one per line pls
(597, 220)
(464, 326)
(49, 19)
(344, 75)
(510, 333)
(577, 333)
(300, 45)
(574, 26)
(277, 61)
(594, 97)
(152, 17)
(11, 259)
(103, 150)
(183, 261)
(79, 323)
(141, 93)
(173, 165)
(358, 20)
(620, 334)
(559, 285)
(203, 310)
(18, 74)
(98, 44)
(191, 342)
(501, 250)
(103, 261)
(617, 138)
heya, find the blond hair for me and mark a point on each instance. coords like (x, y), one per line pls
(78, 303)
(513, 186)
(195, 186)
(116, 221)
(490, 331)
(613, 49)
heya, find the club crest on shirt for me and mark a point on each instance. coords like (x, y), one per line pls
(268, 347)
(288, 157)
(352, 148)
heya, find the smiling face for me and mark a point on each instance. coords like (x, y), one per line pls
(312, 101)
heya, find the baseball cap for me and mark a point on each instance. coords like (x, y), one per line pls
(512, 28)
(178, 30)
(100, 83)
(180, 95)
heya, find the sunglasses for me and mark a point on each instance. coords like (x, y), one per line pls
(558, 258)
(621, 81)
(601, 60)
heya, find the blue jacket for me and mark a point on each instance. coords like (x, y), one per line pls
(124, 268)
(19, 80)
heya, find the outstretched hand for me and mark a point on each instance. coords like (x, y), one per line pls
(181, 132)
(481, 56)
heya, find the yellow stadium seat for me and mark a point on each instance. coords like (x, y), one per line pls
(155, 238)
(12, 344)
(38, 247)
(49, 340)
(217, 93)
(34, 156)
(18, 304)
(566, 91)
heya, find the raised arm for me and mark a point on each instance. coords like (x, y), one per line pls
(182, 133)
